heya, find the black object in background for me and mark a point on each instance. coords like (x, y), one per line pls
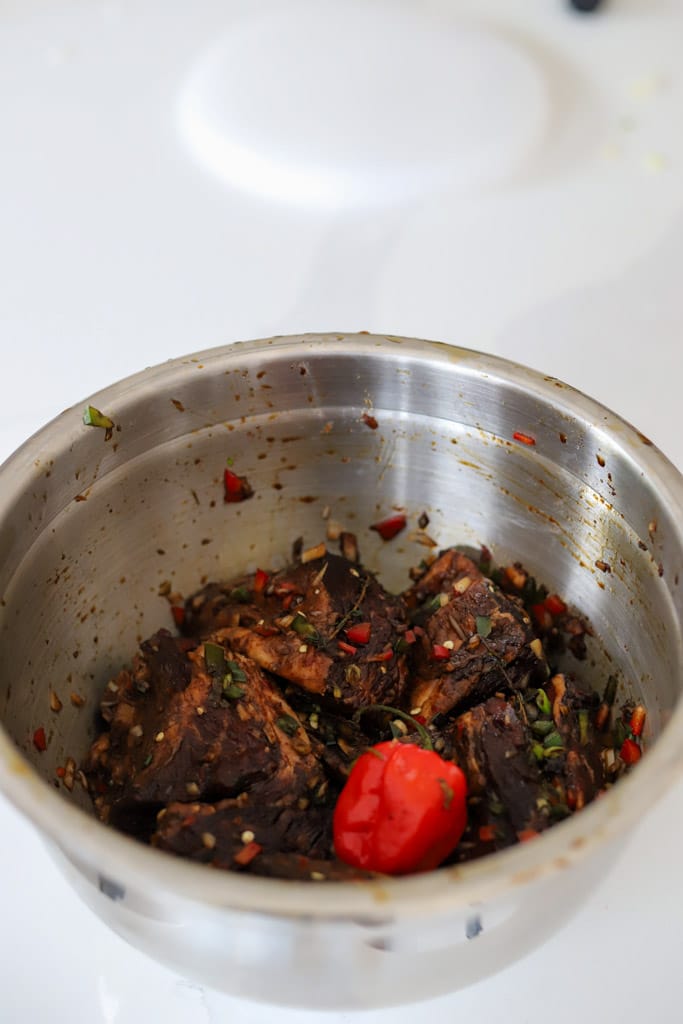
(585, 5)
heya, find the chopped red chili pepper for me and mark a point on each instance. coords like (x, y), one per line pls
(388, 528)
(409, 636)
(418, 631)
(637, 720)
(247, 854)
(287, 601)
(420, 718)
(260, 581)
(440, 653)
(346, 648)
(39, 740)
(369, 421)
(382, 656)
(526, 834)
(178, 613)
(60, 772)
(555, 605)
(285, 587)
(359, 633)
(237, 488)
(403, 809)
(487, 833)
(542, 616)
(524, 438)
(630, 752)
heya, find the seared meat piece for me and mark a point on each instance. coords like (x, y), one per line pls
(580, 771)
(473, 639)
(181, 730)
(217, 832)
(493, 748)
(218, 605)
(330, 628)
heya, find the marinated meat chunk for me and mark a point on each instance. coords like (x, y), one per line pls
(217, 833)
(493, 748)
(472, 638)
(450, 567)
(334, 634)
(179, 730)
(245, 601)
(580, 769)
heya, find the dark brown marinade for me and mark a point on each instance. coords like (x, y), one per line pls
(230, 744)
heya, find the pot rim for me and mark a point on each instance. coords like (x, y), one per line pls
(126, 861)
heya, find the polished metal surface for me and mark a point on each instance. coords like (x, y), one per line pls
(92, 529)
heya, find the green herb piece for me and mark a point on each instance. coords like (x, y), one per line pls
(543, 703)
(483, 626)
(288, 724)
(610, 691)
(401, 645)
(302, 626)
(230, 461)
(559, 810)
(147, 762)
(214, 656)
(92, 417)
(231, 690)
(432, 604)
(553, 740)
(538, 751)
(621, 732)
(240, 594)
(583, 727)
(542, 728)
(238, 674)
(532, 593)
(553, 751)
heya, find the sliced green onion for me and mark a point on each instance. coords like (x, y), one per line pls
(214, 656)
(543, 703)
(538, 751)
(231, 690)
(483, 626)
(288, 724)
(302, 626)
(92, 417)
(583, 727)
(542, 728)
(238, 674)
(432, 604)
(552, 741)
(610, 691)
(240, 594)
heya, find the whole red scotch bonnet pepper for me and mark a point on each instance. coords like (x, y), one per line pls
(403, 809)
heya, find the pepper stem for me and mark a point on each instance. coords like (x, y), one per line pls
(425, 738)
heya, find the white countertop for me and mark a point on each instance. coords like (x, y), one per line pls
(500, 174)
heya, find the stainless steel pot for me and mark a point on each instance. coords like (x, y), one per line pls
(94, 528)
